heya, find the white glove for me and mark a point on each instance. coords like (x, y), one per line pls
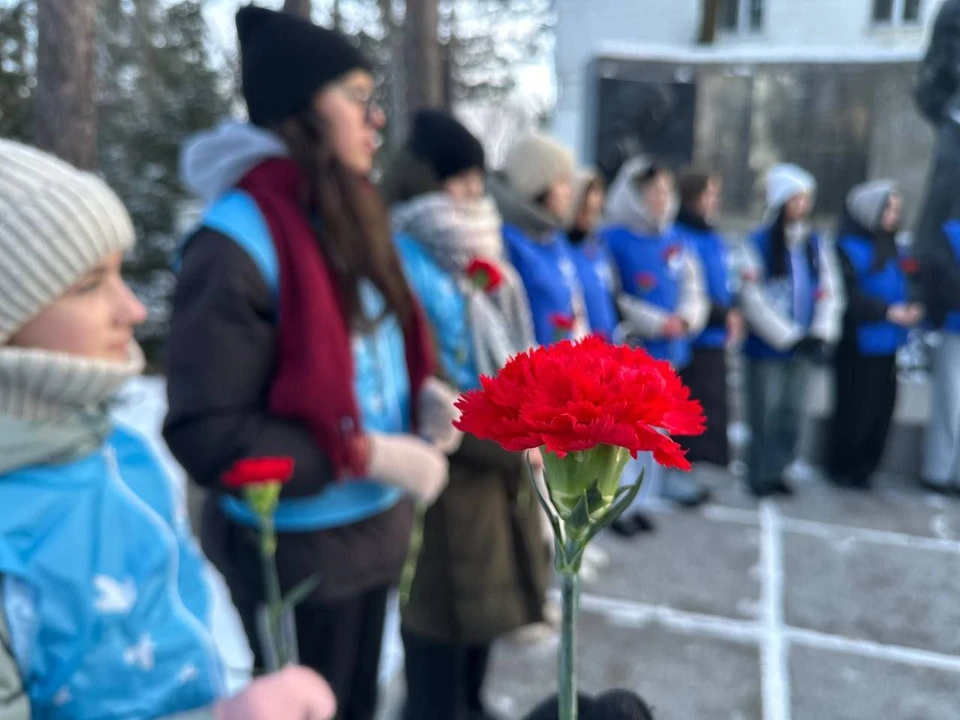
(408, 462)
(294, 693)
(436, 413)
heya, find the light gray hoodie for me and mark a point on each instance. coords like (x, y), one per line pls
(214, 161)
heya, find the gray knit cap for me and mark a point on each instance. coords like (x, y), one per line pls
(866, 202)
(535, 163)
(56, 224)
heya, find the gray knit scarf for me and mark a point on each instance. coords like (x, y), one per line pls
(455, 233)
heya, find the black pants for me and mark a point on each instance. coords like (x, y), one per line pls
(706, 376)
(444, 682)
(866, 394)
(341, 641)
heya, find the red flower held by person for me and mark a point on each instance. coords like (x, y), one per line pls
(258, 471)
(572, 397)
(562, 321)
(484, 274)
(646, 281)
(909, 266)
(671, 253)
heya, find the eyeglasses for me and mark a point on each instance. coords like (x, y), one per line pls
(362, 98)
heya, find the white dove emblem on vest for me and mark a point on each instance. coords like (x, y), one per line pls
(114, 597)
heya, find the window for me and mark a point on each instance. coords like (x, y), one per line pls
(896, 12)
(740, 16)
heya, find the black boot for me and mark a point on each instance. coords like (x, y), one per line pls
(632, 523)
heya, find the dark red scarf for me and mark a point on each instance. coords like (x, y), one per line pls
(314, 381)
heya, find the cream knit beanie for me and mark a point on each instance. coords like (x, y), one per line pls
(56, 224)
(535, 163)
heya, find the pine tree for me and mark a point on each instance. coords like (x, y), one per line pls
(17, 79)
(156, 87)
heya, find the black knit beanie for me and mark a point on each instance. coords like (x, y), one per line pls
(285, 60)
(444, 144)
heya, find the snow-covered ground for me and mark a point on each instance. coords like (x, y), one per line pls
(143, 406)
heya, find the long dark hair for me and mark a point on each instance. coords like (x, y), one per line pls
(692, 185)
(353, 229)
(884, 241)
(779, 266)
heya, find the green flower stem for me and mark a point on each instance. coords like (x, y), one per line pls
(409, 572)
(566, 665)
(268, 550)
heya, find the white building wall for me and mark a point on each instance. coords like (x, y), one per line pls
(585, 26)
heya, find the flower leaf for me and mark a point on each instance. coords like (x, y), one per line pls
(300, 593)
(552, 516)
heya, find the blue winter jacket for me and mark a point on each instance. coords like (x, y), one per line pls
(889, 284)
(596, 272)
(549, 273)
(651, 269)
(714, 255)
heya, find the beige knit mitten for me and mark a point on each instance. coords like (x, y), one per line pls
(436, 414)
(408, 462)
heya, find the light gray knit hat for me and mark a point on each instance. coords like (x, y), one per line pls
(866, 202)
(56, 224)
(535, 163)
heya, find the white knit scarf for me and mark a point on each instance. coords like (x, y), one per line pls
(456, 233)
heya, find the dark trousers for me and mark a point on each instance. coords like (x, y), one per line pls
(706, 376)
(866, 394)
(341, 641)
(444, 682)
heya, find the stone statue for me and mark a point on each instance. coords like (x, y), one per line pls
(937, 96)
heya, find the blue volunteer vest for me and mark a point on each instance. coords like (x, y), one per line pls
(596, 273)
(104, 592)
(888, 284)
(651, 269)
(714, 256)
(381, 383)
(446, 309)
(794, 295)
(549, 276)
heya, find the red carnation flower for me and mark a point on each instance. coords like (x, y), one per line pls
(671, 252)
(646, 281)
(562, 321)
(258, 471)
(909, 266)
(571, 397)
(484, 274)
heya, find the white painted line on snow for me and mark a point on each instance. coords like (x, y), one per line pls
(721, 513)
(815, 528)
(638, 614)
(871, 649)
(774, 649)
(634, 613)
(877, 537)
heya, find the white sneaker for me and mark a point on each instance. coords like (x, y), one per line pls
(534, 634)
(596, 556)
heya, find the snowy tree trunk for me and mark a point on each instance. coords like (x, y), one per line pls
(65, 104)
(424, 60)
